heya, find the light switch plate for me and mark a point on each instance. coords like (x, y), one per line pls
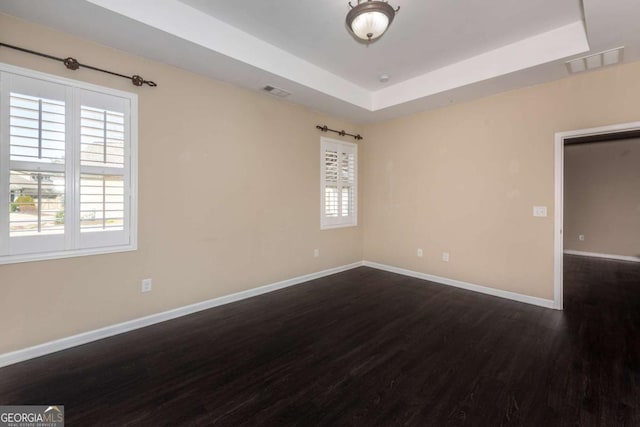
(540, 211)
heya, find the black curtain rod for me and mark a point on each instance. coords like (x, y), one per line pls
(73, 64)
(339, 132)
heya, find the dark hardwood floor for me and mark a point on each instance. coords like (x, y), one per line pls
(363, 348)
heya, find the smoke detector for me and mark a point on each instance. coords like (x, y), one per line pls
(595, 61)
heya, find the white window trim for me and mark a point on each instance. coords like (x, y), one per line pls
(351, 220)
(132, 245)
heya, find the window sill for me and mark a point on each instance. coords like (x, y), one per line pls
(15, 259)
(332, 226)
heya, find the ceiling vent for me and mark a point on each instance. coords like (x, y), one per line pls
(276, 91)
(595, 61)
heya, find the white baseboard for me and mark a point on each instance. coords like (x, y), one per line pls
(108, 331)
(607, 256)
(547, 303)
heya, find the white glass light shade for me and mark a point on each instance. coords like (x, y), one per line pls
(369, 19)
(370, 25)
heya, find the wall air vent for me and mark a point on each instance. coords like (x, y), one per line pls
(595, 61)
(276, 91)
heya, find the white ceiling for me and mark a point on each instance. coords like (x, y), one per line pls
(437, 52)
(431, 34)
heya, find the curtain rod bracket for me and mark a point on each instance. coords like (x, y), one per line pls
(71, 63)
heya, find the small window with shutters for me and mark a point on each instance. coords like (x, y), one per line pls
(67, 167)
(338, 183)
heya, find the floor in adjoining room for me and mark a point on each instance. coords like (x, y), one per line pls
(363, 348)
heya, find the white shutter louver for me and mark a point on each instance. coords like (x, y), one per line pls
(102, 161)
(38, 203)
(37, 130)
(338, 184)
(347, 171)
(101, 202)
(101, 138)
(332, 206)
(36, 159)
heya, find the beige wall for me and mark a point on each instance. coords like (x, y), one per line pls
(461, 179)
(240, 171)
(464, 179)
(602, 197)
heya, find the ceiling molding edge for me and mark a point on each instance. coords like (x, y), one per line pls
(540, 49)
(190, 24)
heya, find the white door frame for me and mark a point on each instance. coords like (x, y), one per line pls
(559, 197)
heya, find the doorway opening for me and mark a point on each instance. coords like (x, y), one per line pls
(562, 139)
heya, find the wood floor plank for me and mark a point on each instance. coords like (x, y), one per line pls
(364, 348)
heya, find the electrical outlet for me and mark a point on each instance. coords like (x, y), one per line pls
(445, 256)
(147, 285)
(316, 253)
(419, 252)
(581, 237)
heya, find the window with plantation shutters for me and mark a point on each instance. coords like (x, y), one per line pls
(67, 167)
(338, 192)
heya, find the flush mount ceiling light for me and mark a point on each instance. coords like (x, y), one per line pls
(369, 19)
